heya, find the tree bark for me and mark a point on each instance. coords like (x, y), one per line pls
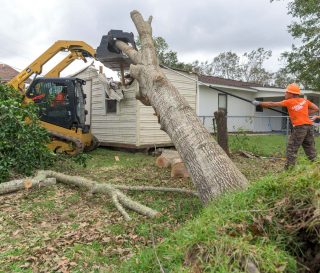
(211, 170)
(222, 130)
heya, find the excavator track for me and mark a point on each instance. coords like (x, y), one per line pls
(77, 144)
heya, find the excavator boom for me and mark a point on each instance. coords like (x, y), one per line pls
(35, 67)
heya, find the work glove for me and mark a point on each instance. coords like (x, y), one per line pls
(255, 102)
(316, 119)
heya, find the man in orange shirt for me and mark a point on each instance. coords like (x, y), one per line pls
(299, 110)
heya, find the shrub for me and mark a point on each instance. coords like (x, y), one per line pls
(22, 141)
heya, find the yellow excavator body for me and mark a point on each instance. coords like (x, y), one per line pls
(73, 138)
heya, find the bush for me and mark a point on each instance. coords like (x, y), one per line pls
(22, 141)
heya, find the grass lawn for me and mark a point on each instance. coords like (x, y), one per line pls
(60, 229)
(264, 145)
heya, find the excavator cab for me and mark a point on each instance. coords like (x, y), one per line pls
(61, 102)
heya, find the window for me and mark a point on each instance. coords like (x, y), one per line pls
(259, 108)
(111, 106)
(222, 102)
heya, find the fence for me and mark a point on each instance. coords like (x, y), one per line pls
(254, 124)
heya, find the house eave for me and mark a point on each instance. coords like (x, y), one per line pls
(229, 87)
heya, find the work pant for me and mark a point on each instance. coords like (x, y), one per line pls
(301, 135)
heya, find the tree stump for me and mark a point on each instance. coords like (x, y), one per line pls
(222, 130)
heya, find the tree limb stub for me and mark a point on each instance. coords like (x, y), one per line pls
(119, 199)
(211, 170)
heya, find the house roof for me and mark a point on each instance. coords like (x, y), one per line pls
(7, 72)
(227, 82)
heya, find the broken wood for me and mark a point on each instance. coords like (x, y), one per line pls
(171, 159)
(179, 170)
(119, 199)
(26, 183)
(166, 158)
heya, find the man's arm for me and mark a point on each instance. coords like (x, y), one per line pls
(267, 103)
(313, 108)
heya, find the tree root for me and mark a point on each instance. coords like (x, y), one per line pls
(119, 199)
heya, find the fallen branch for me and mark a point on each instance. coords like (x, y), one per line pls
(119, 199)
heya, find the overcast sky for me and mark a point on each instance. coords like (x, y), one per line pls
(198, 29)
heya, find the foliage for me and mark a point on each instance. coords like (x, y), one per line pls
(22, 141)
(252, 69)
(240, 141)
(166, 56)
(303, 60)
(273, 225)
(248, 67)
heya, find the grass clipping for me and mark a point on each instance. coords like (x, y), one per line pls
(274, 226)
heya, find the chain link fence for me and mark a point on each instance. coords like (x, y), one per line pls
(253, 124)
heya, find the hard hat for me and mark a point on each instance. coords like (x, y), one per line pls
(293, 89)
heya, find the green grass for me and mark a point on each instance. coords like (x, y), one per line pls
(264, 145)
(57, 222)
(256, 224)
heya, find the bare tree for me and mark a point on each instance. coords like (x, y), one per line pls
(211, 170)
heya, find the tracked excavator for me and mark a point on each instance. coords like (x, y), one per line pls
(61, 101)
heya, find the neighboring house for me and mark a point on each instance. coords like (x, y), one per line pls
(127, 122)
(243, 115)
(118, 119)
(7, 73)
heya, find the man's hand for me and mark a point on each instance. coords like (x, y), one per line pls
(255, 102)
(315, 119)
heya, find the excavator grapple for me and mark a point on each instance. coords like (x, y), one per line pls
(110, 55)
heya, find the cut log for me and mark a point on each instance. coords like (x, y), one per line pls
(171, 159)
(179, 170)
(166, 158)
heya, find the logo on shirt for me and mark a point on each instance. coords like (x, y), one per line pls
(298, 106)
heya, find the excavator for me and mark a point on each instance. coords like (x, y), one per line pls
(61, 100)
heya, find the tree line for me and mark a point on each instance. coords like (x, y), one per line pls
(301, 64)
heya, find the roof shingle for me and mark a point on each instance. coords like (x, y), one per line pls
(227, 82)
(7, 73)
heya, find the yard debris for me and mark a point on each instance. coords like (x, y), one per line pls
(119, 199)
(171, 158)
(247, 154)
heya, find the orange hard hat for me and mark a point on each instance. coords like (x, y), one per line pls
(293, 89)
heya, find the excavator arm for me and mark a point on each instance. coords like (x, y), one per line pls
(74, 55)
(78, 49)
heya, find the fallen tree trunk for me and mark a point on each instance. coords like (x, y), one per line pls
(119, 199)
(211, 170)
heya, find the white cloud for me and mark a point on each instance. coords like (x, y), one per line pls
(195, 29)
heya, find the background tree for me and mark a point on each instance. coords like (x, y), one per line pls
(283, 76)
(252, 70)
(211, 170)
(166, 56)
(304, 60)
(227, 65)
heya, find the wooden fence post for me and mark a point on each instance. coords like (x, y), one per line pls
(222, 130)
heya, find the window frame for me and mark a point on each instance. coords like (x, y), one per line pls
(226, 100)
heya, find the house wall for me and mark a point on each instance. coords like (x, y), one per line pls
(134, 125)
(269, 120)
(239, 112)
(111, 129)
(149, 128)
